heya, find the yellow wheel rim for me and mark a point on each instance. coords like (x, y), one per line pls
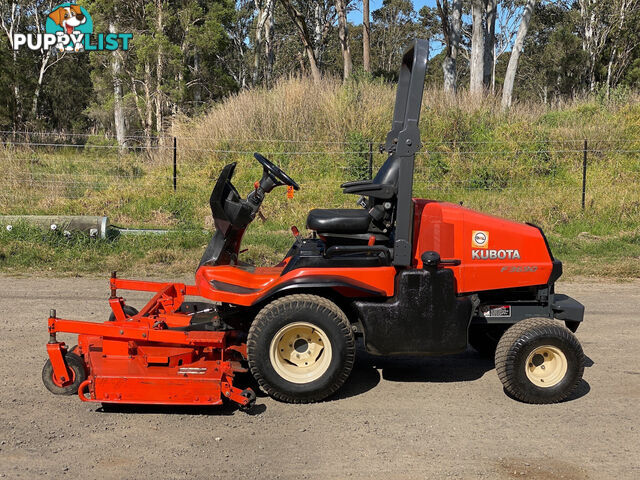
(300, 352)
(546, 366)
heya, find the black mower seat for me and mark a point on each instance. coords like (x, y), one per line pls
(338, 220)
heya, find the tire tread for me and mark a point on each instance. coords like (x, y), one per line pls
(515, 338)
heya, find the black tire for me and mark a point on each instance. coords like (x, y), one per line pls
(484, 338)
(284, 313)
(520, 341)
(128, 310)
(75, 363)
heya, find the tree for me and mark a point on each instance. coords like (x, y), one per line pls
(303, 32)
(491, 8)
(34, 15)
(509, 78)
(595, 32)
(343, 34)
(264, 13)
(118, 110)
(238, 31)
(394, 26)
(555, 65)
(269, 51)
(10, 19)
(625, 39)
(507, 20)
(173, 64)
(366, 42)
(477, 47)
(451, 27)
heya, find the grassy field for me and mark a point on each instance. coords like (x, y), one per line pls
(525, 164)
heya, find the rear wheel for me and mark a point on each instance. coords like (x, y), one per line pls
(539, 361)
(78, 375)
(301, 348)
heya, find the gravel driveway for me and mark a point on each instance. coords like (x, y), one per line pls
(402, 418)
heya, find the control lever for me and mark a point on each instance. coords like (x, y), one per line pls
(432, 259)
(453, 262)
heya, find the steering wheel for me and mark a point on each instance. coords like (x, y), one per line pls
(276, 171)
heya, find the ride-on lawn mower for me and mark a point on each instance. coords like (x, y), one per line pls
(410, 276)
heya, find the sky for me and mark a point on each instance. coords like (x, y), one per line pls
(355, 16)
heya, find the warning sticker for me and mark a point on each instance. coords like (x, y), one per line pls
(479, 239)
(495, 310)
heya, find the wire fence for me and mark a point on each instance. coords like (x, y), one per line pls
(61, 173)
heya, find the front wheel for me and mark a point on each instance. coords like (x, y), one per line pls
(539, 361)
(301, 348)
(78, 375)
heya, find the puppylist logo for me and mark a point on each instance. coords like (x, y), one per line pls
(69, 27)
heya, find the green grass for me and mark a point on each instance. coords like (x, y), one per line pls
(525, 165)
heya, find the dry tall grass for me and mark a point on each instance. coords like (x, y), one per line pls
(297, 109)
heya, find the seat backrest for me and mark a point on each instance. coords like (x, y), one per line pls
(388, 173)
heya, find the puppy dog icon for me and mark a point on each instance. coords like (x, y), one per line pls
(69, 18)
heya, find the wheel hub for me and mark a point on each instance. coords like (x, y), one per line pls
(546, 366)
(300, 352)
(301, 345)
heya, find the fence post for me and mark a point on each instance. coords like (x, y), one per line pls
(584, 172)
(370, 160)
(175, 164)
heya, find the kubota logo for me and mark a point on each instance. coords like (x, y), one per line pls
(480, 239)
(495, 255)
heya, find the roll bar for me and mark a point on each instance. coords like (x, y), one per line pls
(403, 141)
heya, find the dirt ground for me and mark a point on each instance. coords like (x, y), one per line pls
(403, 418)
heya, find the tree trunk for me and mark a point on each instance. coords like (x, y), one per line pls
(343, 35)
(264, 10)
(197, 89)
(317, 32)
(118, 111)
(36, 92)
(493, 70)
(588, 17)
(44, 60)
(451, 43)
(268, 43)
(489, 41)
(17, 116)
(303, 32)
(256, 56)
(148, 124)
(510, 76)
(449, 75)
(159, 71)
(609, 70)
(366, 43)
(136, 99)
(477, 47)
(456, 29)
